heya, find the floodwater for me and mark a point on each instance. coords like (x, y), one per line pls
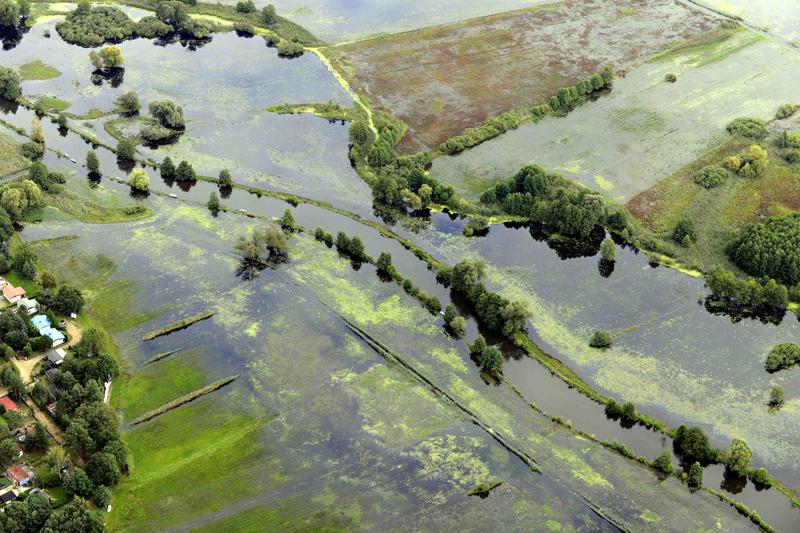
(191, 265)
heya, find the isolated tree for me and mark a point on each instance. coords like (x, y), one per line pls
(126, 149)
(608, 251)
(287, 221)
(739, 457)
(601, 339)
(9, 14)
(68, 299)
(213, 203)
(167, 168)
(269, 15)
(185, 172)
(112, 57)
(225, 179)
(776, 396)
(692, 443)
(139, 180)
(92, 162)
(167, 113)
(695, 478)
(384, 264)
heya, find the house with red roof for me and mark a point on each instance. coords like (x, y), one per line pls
(22, 475)
(8, 403)
(13, 294)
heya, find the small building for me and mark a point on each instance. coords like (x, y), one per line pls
(30, 306)
(56, 357)
(52, 374)
(8, 403)
(22, 475)
(41, 322)
(8, 496)
(56, 336)
(13, 294)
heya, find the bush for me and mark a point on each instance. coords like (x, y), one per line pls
(155, 134)
(684, 233)
(287, 48)
(168, 114)
(139, 180)
(749, 128)
(476, 224)
(692, 444)
(601, 339)
(760, 476)
(664, 462)
(776, 396)
(126, 149)
(782, 356)
(695, 478)
(608, 251)
(793, 156)
(670, 78)
(243, 28)
(245, 6)
(9, 84)
(711, 176)
(785, 111)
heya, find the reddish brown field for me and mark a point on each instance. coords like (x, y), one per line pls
(444, 79)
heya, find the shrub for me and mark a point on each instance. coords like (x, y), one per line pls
(670, 78)
(225, 179)
(776, 396)
(476, 224)
(761, 476)
(245, 6)
(749, 128)
(664, 462)
(608, 251)
(711, 176)
(244, 28)
(695, 478)
(126, 149)
(9, 84)
(684, 232)
(739, 457)
(785, 111)
(167, 168)
(692, 444)
(168, 114)
(139, 180)
(156, 134)
(781, 356)
(601, 339)
(793, 156)
(185, 172)
(287, 48)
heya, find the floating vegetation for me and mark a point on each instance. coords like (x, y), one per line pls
(159, 356)
(175, 326)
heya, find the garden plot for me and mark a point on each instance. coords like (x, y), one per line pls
(444, 79)
(646, 128)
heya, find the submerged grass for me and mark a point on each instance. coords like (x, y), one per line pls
(159, 356)
(186, 398)
(38, 70)
(175, 326)
(85, 210)
(11, 161)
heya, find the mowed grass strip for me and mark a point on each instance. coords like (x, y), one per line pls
(186, 398)
(181, 324)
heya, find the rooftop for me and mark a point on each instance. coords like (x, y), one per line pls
(19, 473)
(8, 403)
(9, 291)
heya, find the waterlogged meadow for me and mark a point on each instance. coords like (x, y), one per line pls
(779, 18)
(646, 128)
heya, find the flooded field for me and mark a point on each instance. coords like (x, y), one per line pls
(780, 18)
(350, 406)
(651, 127)
(436, 79)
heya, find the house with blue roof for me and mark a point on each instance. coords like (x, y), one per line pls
(56, 336)
(41, 322)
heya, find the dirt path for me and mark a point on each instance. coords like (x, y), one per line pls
(26, 366)
(47, 422)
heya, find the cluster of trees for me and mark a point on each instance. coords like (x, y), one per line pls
(352, 247)
(324, 236)
(692, 444)
(262, 248)
(13, 13)
(532, 194)
(711, 176)
(93, 26)
(749, 128)
(88, 26)
(403, 183)
(35, 514)
(455, 322)
(17, 197)
(781, 356)
(9, 84)
(750, 164)
(492, 310)
(183, 172)
(477, 224)
(169, 122)
(489, 358)
(771, 248)
(727, 288)
(567, 99)
(107, 59)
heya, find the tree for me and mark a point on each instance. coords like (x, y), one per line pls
(102, 497)
(37, 134)
(695, 478)
(761, 477)
(739, 457)
(57, 459)
(245, 6)
(269, 15)
(139, 180)
(9, 83)
(608, 251)
(167, 168)
(39, 440)
(457, 326)
(168, 114)
(684, 233)
(112, 57)
(8, 453)
(69, 300)
(185, 172)
(102, 469)
(384, 264)
(225, 179)
(126, 149)
(92, 162)
(492, 360)
(173, 13)
(213, 203)
(74, 517)
(783, 355)
(601, 339)
(11, 379)
(692, 443)
(467, 273)
(9, 14)
(128, 103)
(27, 515)
(664, 462)
(287, 221)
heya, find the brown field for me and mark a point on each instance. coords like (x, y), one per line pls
(444, 79)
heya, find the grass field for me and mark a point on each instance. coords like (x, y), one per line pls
(780, 18)
(38, 70)
(10, 159)
(444, 79)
